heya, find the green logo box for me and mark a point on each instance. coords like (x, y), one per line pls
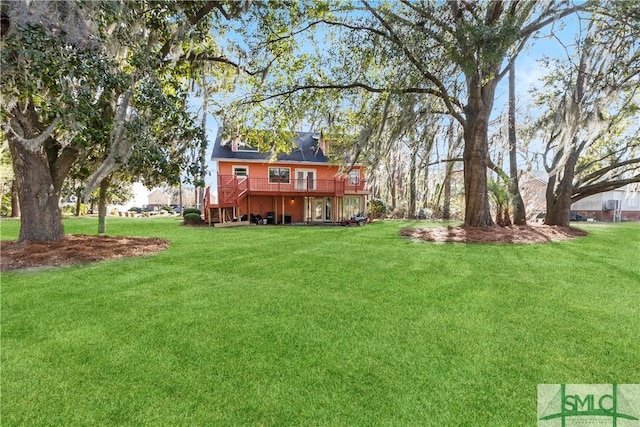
(601, 405)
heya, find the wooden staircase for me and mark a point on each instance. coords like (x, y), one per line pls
(230, 194)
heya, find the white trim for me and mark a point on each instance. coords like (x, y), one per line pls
(306, 172)
(233, 169)
(277, 167)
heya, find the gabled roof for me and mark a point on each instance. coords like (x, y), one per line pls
(158, 190)
(307, 149)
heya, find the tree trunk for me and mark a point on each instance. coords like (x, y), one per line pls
(558, 205)
(39, 172)
(393, 192)
(180, 194)
(519, 213)
(15, 206)
(41, 218)
(412, 182)
(446, 203)
(476, 152)
(452, 152)
(200, 198)
(425, 190)
(102, 206)
(78, 194)
(559, 196)
(202, 157)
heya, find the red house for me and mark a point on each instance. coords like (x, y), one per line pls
(297, 187)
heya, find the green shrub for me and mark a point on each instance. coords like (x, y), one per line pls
(69, 209)
(188, 211)
(5, 204)
(192, 218)
(377, 208)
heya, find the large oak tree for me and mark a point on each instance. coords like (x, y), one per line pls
(426, 48)
(590, 121)
(63, 61)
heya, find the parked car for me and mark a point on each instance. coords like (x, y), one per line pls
(576, 217)
(358, 219)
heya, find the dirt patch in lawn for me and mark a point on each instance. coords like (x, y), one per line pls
(495, 234)
(75, 249)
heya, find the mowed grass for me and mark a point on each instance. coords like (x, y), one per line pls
(290, 326)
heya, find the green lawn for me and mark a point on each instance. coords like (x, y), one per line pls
(316, 326)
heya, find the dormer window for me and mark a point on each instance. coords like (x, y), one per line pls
(239, 145)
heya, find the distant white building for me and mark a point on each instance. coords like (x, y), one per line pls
(159, 198)
(139, 199)
(622, 204)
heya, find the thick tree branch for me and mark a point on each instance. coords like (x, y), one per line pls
(62, 164)
(204, 11)
(590, 190)
(497, 169)
(493, 14)
(294, 33)
(354, 85)
(601, 172)
(609, 155)
(442, 92)
(354, 27)
(543, 22)
(205, 57)
(453, 160)
(513, 58)
(32, 143)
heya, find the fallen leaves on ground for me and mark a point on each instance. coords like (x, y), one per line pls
(495, 234)
(75, 249)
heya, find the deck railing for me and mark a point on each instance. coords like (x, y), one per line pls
(233, 186)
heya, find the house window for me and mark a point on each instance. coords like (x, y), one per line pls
(351, 206)
(241, 171)
(279, 175)
(305, 179)
(354, 177)
(238, 144)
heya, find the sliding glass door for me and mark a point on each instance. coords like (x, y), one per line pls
(321, 209)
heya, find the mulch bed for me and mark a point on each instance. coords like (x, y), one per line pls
(495, 234)
(75, 249)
